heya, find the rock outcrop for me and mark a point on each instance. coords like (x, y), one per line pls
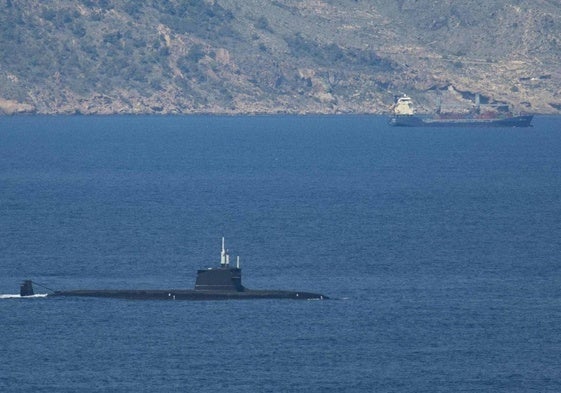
(284, 56)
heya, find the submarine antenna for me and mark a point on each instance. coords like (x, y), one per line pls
(223, 254)
(238, 262)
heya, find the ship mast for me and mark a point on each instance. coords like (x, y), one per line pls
(477, 103)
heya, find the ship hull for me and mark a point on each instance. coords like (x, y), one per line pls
(418, 121)
(187, 294)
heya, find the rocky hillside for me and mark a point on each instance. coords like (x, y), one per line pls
(278, 56)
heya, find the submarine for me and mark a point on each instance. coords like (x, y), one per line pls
(215, 283)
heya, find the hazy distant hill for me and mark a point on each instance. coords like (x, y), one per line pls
(278, 56)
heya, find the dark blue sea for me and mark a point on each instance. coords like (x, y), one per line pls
(441, 249)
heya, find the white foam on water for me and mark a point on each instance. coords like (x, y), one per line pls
(17, 296)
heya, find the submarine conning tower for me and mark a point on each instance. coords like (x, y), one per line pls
(26, 288)
(223, 278)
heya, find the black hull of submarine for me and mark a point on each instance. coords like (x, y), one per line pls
(220, 283)
(187, 294)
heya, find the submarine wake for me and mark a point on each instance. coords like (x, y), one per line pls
(18, 296)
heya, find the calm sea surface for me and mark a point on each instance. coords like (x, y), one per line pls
(441, 246)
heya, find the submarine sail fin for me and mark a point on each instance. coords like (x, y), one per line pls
(26, 288)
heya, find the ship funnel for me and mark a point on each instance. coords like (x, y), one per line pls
(477, 103)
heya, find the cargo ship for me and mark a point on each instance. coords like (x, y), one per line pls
(404, 114)
(217, 283)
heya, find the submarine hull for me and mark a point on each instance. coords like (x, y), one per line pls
(186, 294)
(220, 283)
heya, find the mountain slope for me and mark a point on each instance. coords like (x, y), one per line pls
(283, 56)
